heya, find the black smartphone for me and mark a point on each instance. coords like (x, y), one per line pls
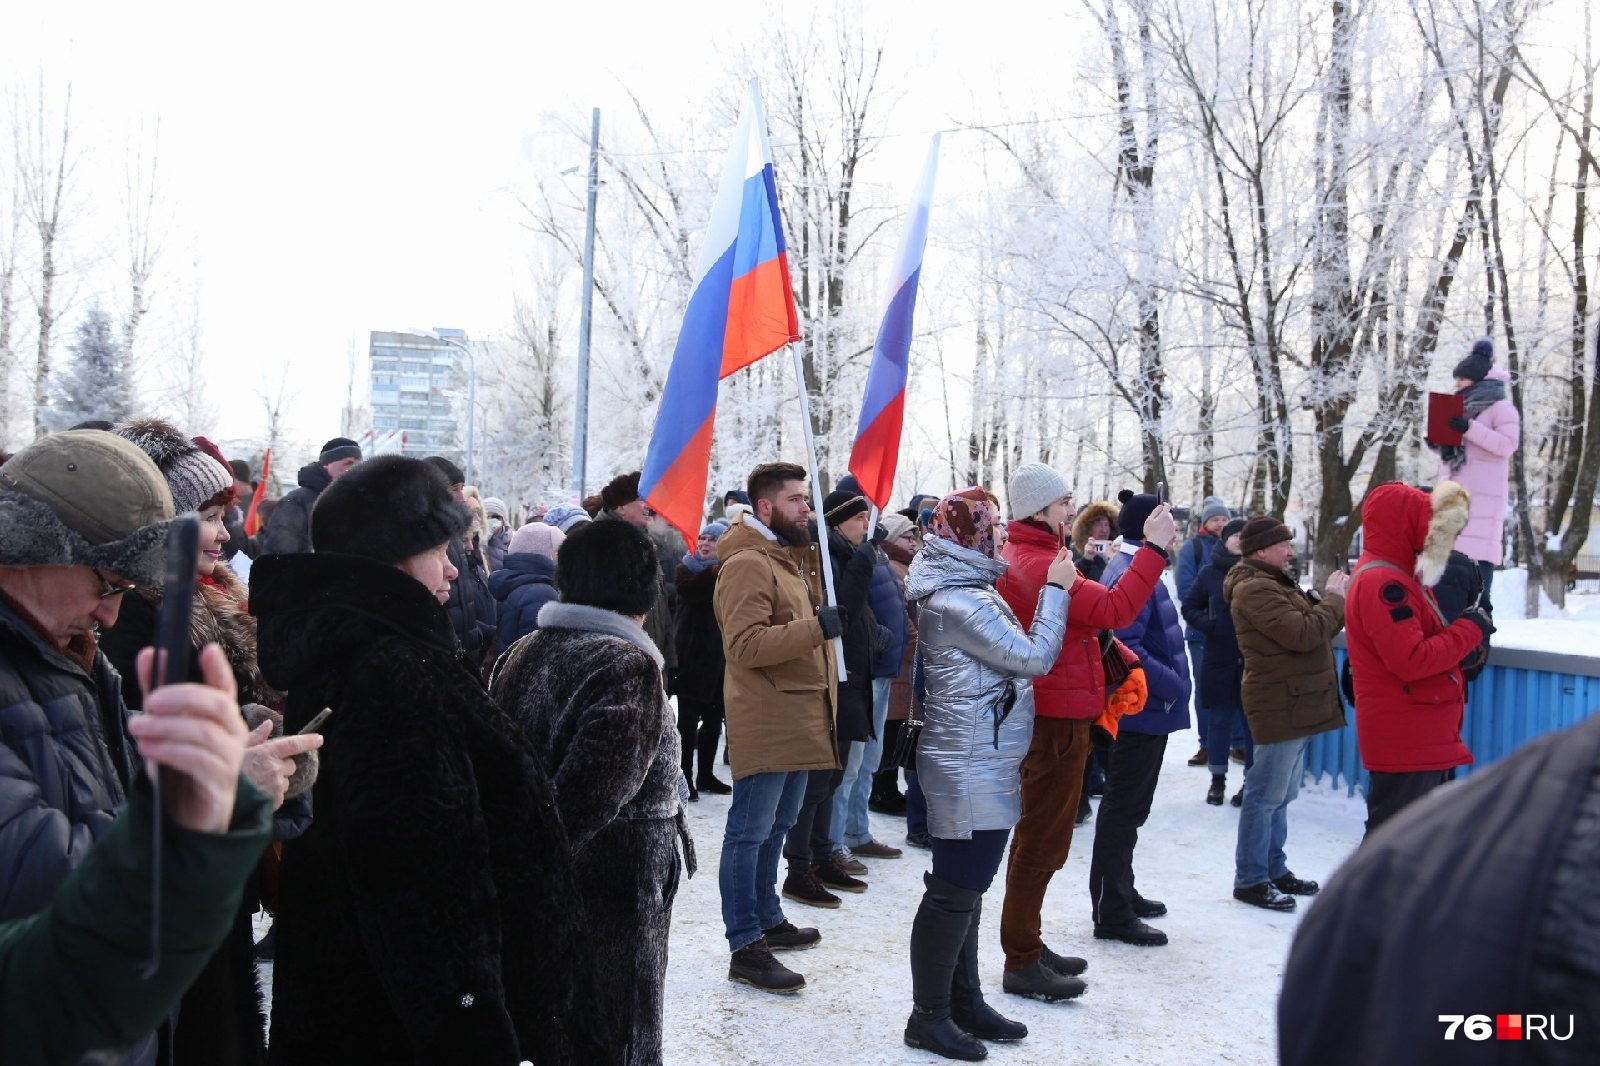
(1161, 492)
(170, 667)
(1339, 560)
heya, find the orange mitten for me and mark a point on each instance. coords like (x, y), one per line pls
(1128, 698)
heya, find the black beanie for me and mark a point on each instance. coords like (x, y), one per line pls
(1235, 525)
(1476, 365)
(339, 448)
(841, 505)
(452, 473)
(610, 565)
(1135, 509)
(388, 509)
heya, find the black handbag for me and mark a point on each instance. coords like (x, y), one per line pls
(1111, 660)
(905, 747)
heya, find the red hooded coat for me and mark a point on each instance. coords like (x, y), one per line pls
(1410, 695)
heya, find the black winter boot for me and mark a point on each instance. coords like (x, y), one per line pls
(1218, 789)
(967, 1005)
(938, 937)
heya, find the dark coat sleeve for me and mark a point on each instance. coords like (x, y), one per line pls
(416, 847)
(289, 529)
(1197, 607)
(69, 975)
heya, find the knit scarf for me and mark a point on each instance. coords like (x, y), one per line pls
(696, 564)
(1478, 397)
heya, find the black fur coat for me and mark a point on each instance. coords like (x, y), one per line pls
(586, 687)
(429, 915)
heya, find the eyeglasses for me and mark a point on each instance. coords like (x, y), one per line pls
(107, 589)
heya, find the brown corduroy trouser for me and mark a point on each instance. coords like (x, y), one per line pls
(1052, 780)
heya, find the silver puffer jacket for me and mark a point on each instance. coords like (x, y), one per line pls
(974, 655)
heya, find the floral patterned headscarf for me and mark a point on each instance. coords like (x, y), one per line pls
(968, 518)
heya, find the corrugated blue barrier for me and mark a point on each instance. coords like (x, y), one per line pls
(1520, 695)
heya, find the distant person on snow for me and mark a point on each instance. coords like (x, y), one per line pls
(1491, 429)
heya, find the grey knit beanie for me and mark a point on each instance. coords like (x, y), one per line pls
(193, 476)
(1213, 507)
(1033, 487)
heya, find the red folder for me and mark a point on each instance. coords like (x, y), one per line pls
(1442, 407)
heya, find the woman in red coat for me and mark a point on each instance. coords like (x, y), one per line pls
(1404, 658)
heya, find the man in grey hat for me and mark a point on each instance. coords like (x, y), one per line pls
(83, 520)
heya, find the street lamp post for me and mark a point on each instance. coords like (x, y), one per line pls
(580, 443)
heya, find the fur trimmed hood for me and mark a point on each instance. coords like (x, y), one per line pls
(31, 534)
(1405, 526)
(1087, 517)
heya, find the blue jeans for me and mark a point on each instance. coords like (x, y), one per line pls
(1269, 788)
(764, 807)
(850, 826)
(1226, 723)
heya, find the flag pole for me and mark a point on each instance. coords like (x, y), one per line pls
(816, 500)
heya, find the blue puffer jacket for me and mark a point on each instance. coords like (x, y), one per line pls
(65, 762)
(526, 583)
(888, 602)
(1156, 636)
(1193, 557)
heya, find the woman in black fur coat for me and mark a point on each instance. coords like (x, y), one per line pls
(429, 915)
(587, 688)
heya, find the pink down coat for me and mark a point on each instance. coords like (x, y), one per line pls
(1490, 440)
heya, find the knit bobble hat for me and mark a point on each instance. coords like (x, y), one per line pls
(495, 507)
(1262, 531)
(841, 505)
(388, 509)
(566, 517)
(610, 565)
(194, 476)
(1136, 508)
(1475, 366)
(1033, 487)
(536, 538)
(1213, 507)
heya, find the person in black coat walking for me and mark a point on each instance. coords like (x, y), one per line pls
(587, 690)
(1221, 663)
(701, 663)
(429, 913)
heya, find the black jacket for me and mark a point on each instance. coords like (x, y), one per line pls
(1206, 611)
(1478, 899)
(289, 529)
(698, 637)
(65, 760)
(471, 606)
(521, 587)
(429, 914)
(852, 580)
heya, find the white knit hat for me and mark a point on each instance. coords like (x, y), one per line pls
(1033, 487)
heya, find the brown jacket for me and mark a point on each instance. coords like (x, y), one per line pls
(1291, 688)
(781, 682)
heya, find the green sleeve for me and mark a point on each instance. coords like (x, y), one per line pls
(69, 975)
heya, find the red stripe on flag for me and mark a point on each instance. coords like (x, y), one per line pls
(761, 315)
(680, 494)
(876, 454)
(252, 516)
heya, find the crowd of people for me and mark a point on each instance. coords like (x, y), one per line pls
(449, 751)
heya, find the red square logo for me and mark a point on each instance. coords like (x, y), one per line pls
(1508, 1027)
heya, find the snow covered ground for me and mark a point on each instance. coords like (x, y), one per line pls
(1208, 996)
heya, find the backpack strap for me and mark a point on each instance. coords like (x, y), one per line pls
(1376, 564)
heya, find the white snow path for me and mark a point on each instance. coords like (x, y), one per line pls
(1209, 996)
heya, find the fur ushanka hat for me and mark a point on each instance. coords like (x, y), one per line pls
(388, 509)
(85, 498)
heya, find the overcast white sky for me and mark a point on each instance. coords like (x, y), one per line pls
(339, 167)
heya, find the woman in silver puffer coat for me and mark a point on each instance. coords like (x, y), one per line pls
(977, 665)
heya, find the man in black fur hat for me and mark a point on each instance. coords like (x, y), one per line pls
(289, 529)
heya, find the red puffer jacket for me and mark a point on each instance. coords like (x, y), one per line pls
(1405, 661)
(1076, 686)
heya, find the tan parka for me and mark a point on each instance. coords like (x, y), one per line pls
(1291, 688)
(781, 682)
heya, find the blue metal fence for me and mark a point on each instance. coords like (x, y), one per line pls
(1520, 695)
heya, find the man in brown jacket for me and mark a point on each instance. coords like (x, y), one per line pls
(779, 689)
(1290, 694)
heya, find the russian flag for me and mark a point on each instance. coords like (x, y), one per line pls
(876, 452)
(742, 309)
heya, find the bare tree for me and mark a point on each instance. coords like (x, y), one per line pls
(142, 241)
(46, 160)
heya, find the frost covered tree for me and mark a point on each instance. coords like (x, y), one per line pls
(95, 382)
